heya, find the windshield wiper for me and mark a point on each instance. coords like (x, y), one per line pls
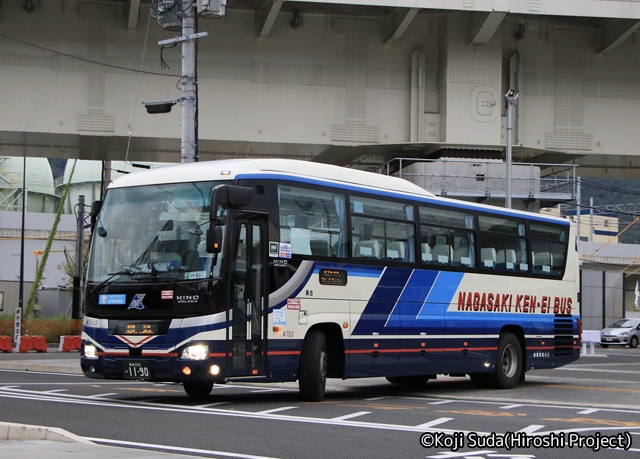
(126, 271)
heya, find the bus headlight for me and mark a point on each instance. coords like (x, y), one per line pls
(195, 352)
(90, 351)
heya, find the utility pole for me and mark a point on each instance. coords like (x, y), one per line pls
(512, 101)
(183, 14)
(76, 316)
(189, 146)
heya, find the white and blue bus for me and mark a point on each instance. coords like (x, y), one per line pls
(281, 270)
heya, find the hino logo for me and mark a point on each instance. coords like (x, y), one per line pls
(187, 298)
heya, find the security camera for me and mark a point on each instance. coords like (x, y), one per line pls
(159, 106)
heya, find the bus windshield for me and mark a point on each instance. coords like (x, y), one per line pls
(153, 232)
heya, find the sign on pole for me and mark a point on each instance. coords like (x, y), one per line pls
(17, 325)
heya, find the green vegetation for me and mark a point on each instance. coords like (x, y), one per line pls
(51, 328)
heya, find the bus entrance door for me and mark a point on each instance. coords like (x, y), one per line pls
(249, 300)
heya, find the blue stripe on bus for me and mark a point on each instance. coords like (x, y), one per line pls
(413, 296)
(352, 271)
(377, 311)
(397, 195)
(445, 286)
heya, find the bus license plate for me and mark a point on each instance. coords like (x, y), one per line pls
(136, 370)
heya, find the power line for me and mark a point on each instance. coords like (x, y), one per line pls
(83, 59)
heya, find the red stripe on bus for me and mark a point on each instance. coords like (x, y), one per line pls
(283, 353)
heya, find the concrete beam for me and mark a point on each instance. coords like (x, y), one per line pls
(613, 42)
(402, 27)
(483, 34)
(274, 8)
(134, 12)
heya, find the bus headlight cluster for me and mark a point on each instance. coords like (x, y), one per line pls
(195, 352)
(90, 351)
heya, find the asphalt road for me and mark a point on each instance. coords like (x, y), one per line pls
(592, 402)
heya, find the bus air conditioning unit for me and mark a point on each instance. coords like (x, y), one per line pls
(211, 9)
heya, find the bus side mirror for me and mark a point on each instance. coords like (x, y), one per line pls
(231, 196)
(214, 239)
(95, 210)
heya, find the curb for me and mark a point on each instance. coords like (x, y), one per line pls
(25, 432)
(42, 367)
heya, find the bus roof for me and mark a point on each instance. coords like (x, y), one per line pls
(229, 169)
(213, 170)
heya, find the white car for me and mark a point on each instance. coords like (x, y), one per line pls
(622, 332)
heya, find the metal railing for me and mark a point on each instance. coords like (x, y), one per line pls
(486, 178)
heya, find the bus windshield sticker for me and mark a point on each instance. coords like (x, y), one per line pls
(273, 249)
(285, 250)
(112, 299)
(358, 207)
(279, 317)
(136, 303)
(195, 275)
(293, 303)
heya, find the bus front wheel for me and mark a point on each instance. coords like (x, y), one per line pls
(508, 363)
(313, 367)
(197, 388)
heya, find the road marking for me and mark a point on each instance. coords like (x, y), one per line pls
(435, 422)
(441, 402)
(154, 447)
(508, 407)
(532, 428)
(374, 399)
(598, 370)
(350, 416)
(53, 391)
(589, 411)
(275, 410)
(103, 395)
(600, 422)
(207, 405)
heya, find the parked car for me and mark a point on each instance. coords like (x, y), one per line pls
(622, 332)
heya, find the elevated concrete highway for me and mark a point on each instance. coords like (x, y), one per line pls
(352, 82)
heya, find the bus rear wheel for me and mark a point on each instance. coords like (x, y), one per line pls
(197, 388)
(408, 380)
(313, 367)
(508, 363)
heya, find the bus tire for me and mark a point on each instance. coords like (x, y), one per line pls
(634, 342)
(508, 363)
(313, 367)
(197, 388)
(408, 380)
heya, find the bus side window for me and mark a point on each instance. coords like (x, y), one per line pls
(488, 257)
(367, 249)
(426, 252)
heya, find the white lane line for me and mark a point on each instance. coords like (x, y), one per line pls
(532, 428)
(275, 410)
(435, 422)
(208, 405)
(53, 391)
(154, 447)
(441, 402)
(374, 399)
(103, 395)
(508, 407)
(589, 411)
(350, 416)
(597, 370)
